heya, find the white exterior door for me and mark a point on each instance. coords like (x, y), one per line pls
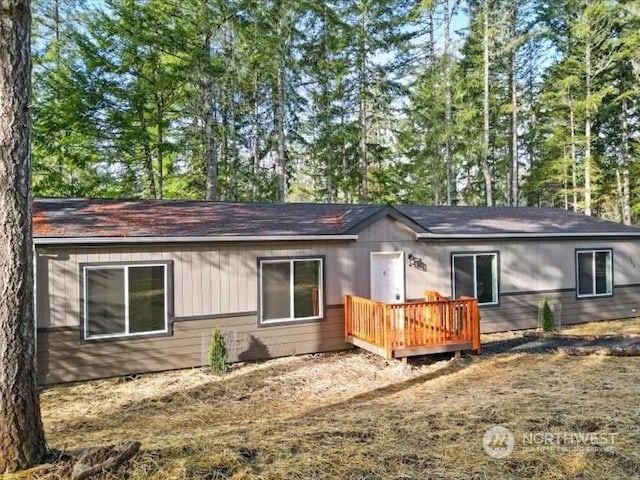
(387, 277)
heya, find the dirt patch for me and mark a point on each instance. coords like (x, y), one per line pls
(552, 343)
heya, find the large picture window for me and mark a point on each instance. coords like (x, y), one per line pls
(594, 273)
(125, 300)
(291, 289)
(476, 275)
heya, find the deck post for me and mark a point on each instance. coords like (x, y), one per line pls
(347, 317)
(477, 346)
(387, 332)
(474, 328)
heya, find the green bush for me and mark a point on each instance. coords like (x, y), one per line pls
(548, 322)
(217, 352)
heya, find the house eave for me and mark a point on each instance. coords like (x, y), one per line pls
(522, 235)
(44, 241)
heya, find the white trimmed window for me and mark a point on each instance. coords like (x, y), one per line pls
(594, 273)
(476, 275)
(125, 300)
(291, 289)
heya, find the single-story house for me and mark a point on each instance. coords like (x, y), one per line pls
(131, 286)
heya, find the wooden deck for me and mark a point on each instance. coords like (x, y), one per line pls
(401, 330)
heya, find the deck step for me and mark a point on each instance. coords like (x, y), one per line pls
(402, 352)
(358, 342)
(427, 350)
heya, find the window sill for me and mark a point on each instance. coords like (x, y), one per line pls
(125, 338)
(284, 322)
(489, 305)
(591, 297)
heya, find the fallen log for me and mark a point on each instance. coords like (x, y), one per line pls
(102, 459)
(96, 462)
(615, 351)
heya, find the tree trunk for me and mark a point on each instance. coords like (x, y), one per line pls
(565, 183)
(230, 89)
(56, 21)
(233, 144)
(513, 190)
(208, 139)
(211, 152)
(587, 132)
(344, 168)
(325, 153)
(619, 189)
(530, 97)
(160, 142)
(486, 172)
(574, 159)
(146, 148)
(626, 200)
(280, 162)
(447, 100)
(362, 112)
(280, 107)
(22, 441)
(223, 159)
(256, 137)
(233, 154)
(431, 46)
(432, 62)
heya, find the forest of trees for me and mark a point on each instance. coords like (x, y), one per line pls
(475, 102)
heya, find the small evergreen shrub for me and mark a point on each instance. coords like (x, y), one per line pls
(548, 322)
(217, 352)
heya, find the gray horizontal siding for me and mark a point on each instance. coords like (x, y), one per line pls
(213, 279)
(525, 265)
(214, 283)
(219, 279)
(519, 311)
(62, 357)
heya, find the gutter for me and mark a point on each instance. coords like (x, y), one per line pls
(481, 236)
(202, 239)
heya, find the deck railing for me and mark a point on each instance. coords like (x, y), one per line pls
(392, 327)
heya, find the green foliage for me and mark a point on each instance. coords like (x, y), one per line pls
(130, 97)
(217, 352)
(548, 321)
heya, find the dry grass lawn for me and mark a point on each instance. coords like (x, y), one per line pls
(614, 327)
(351, 415)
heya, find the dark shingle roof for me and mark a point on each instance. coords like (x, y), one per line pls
(82, 218)
(509, 220)
(143, 219)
